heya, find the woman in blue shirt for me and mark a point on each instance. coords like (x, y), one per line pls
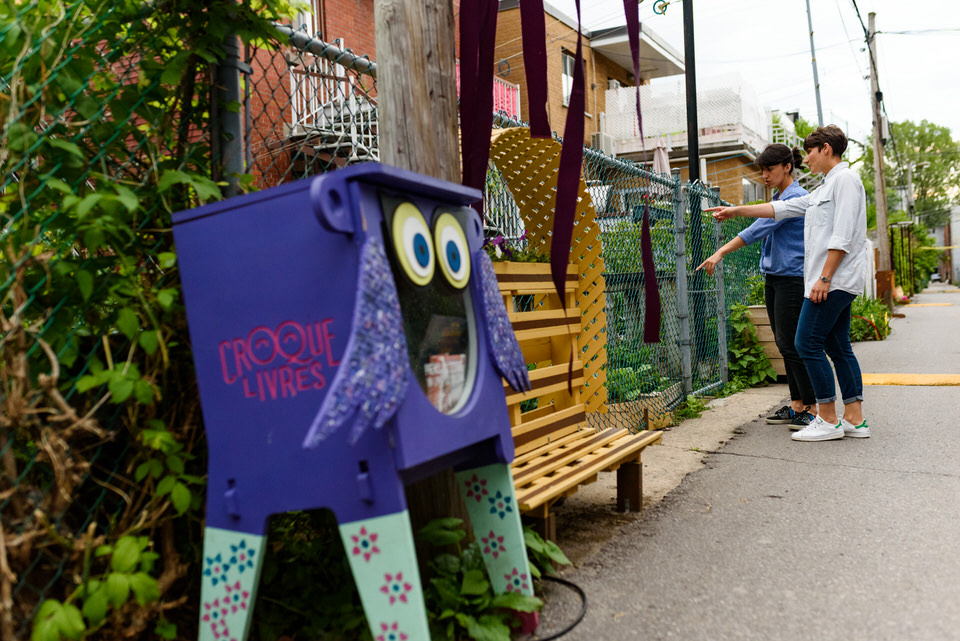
(781, 261)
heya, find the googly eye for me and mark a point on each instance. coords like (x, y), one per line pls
(453, 253)
(412, 243)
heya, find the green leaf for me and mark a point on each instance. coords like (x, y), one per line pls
(20, 137)
(440, 532)
(93, 239)
(167, 259)
(170, 178)
(149, 341)
(68, 147)
(145, 588)
(175, 464)
(127, 198)
(126, 555)
(128, 323)
(118, 587)
(474, 583)
(141, 472)
(143, 392)
(87, 203)
(165, 486)
(487, 628)
(517, 601)
(120, 388)
(447, 564)
(180, 497)
(85, 283)
(166, 298)
(95, 606)
(70, 621)
(59, 185)
(166, 630)
(87, 383)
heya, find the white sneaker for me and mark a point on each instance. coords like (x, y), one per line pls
(819, 430)
(855, 431)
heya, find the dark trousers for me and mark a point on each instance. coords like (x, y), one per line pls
(784, 296)
(824, 330)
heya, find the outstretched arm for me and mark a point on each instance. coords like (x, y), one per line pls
(710, 264)
(763, 210)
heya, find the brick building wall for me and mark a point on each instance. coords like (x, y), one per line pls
(728, 173)
(598, 69)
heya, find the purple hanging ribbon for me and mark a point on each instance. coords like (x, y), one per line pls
(532, 26)
(478, 30)
(568, 182)
(651, 289)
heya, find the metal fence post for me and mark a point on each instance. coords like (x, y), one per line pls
(721, 312)
(228, 140)
(683, 301)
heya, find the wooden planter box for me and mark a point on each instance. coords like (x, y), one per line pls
(761, 322)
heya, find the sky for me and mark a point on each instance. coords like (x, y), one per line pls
(767, 42)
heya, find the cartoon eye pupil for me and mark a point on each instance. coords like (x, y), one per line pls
(453, 256)
(422, 250)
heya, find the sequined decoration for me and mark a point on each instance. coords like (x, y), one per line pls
(372, 379)
(501, 341)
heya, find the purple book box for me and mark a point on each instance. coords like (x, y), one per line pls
(349, 338)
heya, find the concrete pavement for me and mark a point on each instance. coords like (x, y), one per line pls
(750, 535)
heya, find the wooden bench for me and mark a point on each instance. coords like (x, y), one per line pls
(556, 451)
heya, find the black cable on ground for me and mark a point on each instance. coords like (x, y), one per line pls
(583, 610)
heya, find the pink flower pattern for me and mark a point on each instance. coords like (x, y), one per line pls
(493, 544)
(516, 582)
(391, 633)
(476, 488)
(365, 543)
(396, 588)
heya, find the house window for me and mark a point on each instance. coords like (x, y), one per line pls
(752, 191)
(566, 82)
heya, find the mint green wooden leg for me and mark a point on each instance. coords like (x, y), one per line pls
(384, 564)
(492, 506)
(231, 569)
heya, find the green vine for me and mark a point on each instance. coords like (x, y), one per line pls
(105, 110)
(748, 363)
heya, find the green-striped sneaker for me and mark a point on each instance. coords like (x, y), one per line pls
(855, 431)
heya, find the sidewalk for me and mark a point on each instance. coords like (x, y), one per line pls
(756, 536)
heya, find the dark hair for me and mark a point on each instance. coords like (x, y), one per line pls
(831, 135)
(777, 154)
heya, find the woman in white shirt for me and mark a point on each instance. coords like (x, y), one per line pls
(834, 267)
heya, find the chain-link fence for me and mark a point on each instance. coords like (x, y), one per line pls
(114, 117)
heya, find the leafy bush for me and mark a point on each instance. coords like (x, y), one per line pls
(748, 362)
(756, 285)
(691, 407)
(460, 600)
(630, 374)
(106, 109)
(870, 319)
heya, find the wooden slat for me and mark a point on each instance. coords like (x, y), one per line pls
(558, 457)
(612, 454)
(546, 380)
(560, 441)
(542, 429)
(544, 324)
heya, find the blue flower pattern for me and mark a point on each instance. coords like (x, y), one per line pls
(500, 504)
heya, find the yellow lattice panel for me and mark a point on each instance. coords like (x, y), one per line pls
(529, 167)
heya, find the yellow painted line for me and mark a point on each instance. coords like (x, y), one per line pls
(928, 380)
(929, 305)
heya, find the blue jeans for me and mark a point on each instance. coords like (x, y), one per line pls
(824, 329)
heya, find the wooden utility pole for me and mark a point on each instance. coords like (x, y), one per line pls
(417, 130)
(884, 273)
(417, 86)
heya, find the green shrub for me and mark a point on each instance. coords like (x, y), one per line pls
(748, 362)
(870, 319)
